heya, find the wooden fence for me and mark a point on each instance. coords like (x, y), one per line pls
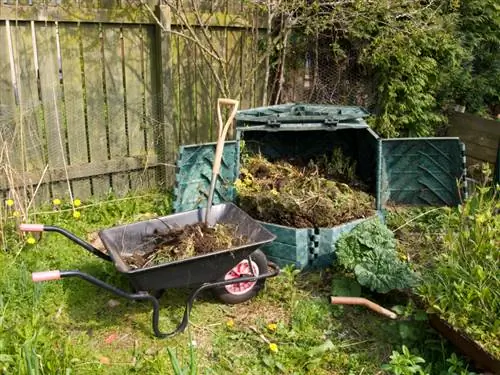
(98, 98)
(481, 136)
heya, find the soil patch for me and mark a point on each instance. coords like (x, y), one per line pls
(304, 196)
(187, 242)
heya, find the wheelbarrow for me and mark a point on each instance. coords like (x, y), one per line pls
(234, 274)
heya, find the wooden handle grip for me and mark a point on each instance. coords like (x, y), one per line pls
(31, 227)
(363, 302)
(223, 128)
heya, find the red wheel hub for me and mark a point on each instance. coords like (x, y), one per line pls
(242, 269)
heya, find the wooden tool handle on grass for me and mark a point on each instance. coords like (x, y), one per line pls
(223, 128)
(363, 302)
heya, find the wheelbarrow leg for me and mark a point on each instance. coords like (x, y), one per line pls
(145, 296)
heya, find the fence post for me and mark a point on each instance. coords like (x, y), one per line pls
(166, 144)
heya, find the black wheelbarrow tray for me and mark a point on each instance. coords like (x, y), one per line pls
(235, 274)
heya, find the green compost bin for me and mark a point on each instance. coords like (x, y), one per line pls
(415, 171)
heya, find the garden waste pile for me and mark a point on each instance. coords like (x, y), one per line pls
(317, 194)
(186, 242)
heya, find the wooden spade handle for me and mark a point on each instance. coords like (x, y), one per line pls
(223, 128)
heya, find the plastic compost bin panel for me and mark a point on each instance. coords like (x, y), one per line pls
(306, 248)
(297, 113)
(420, 171)
(194, 173)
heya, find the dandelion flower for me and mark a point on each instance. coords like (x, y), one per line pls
(273, 347)
(56, 202)
(9, 202)
(31, 240)
(77, 202)
(16, 214)
(230, 323)
(77, 214)
(272, 326)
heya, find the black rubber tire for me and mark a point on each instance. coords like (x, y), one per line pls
(231, 299)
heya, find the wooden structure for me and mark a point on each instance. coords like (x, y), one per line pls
(481, 137)
(99, 97)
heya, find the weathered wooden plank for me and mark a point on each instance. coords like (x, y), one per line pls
(234, 58)
(150, 102)
(118, 14)
(166, 130)
(74, 13)
(87, 170)
(481, 152)
(134, 96)
(205, 100)
(94, 97)
(8, 128)
(70, 39)
(468, 123)
(29, 105)
(187, 89)
(46, 35)
(115, 102)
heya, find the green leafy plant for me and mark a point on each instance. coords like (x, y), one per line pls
(405, 363)
(464, 285)
(369, 251)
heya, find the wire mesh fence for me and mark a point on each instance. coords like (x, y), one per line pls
(317, 71)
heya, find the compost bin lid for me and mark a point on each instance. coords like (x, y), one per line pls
(297, 116)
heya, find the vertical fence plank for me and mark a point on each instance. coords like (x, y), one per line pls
(115, 95)
(74, 104)
(94, 95)
(205, 101)
(51, 100)
(233, 42)
(187, 89)
(30, 108)
(133, 93)
(166, 133)
(150, 103)
(7, 106)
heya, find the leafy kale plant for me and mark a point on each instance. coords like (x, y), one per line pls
(369, 251)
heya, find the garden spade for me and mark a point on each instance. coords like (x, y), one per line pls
(223, 128)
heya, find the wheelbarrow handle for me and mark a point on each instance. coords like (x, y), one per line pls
(45, 276)
(31, 227)
(64, 232)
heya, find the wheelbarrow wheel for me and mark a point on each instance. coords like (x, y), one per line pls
(241, 292)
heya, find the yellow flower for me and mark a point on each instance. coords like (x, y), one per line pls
(77, 202)
(230, 323)
(9, 202)
(77, 214)
(16, 214)
(31, 240)
(56, 202)
(273, 347)
(272, 326)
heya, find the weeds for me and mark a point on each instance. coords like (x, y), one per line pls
(464, 286)
(69, 326)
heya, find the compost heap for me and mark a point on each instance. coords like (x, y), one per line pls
(302, 196)
(186, 242)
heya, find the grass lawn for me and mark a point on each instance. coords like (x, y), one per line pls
(71, 327)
